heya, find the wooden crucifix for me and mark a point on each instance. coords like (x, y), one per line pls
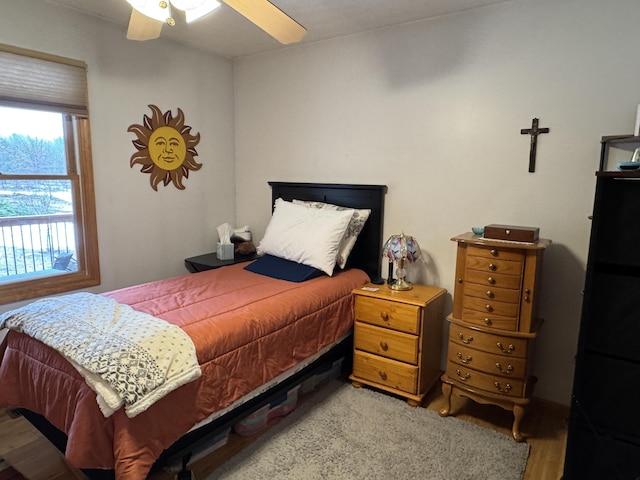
(534, 131)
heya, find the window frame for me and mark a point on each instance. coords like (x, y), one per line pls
(77, 140)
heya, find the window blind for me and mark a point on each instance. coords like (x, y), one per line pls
(30, 77)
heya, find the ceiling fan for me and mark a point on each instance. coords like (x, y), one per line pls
(148, 16)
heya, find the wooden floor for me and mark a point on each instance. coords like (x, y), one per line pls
(544, 425)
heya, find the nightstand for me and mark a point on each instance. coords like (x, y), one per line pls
(398, 339)
(209, 261)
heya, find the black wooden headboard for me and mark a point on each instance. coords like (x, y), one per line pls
(367, 252)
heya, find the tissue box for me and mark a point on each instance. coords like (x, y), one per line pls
(225, 251)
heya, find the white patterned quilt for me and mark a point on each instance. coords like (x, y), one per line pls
(127, 357)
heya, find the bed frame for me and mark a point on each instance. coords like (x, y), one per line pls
(365, 255)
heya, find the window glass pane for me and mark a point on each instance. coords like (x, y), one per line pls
(37, 228)
(31, 142)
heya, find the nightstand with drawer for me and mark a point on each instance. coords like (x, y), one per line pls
(397, 339)
(494, 324)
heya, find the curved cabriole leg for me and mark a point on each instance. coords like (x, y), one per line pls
(518, 415)
(446, 393)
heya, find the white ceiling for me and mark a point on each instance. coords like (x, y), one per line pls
(226, 32)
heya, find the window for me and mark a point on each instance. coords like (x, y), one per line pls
(48, 234)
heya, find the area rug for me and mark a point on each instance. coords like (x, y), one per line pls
(347, 433)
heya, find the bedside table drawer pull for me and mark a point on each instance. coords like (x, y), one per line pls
(488, 321)
(383, 374)
(384, 316)
(502, 390)
(464, 377)
(384, 346)
(488, 308)
(490, 294)
(464, 360)
(508, 371)
(494, 252)
(467, 340)
(491, 280)
(493, 267)
(509, 349)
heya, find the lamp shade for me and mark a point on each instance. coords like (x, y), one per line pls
(401, 246)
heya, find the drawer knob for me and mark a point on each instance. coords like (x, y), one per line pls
(464, 360)
(491, 280)
(460, 280)
(488, 321)
(506, 388)
(494, 252)
(488, 308)
(464, 377)
(383, 375)
(492, 267)
(509, 349)
(467, 340)
(384, 346)
(384, 316)
(490, 294)
(506, 371)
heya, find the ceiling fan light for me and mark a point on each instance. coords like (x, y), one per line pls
(205, 8)
(157, 9)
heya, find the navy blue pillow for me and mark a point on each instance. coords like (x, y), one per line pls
(283, 269)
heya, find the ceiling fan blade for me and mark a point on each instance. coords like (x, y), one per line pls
(270, 19)
(142, 27)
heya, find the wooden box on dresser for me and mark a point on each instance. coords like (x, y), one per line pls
(397, 339)
(603, 439)
(494, 323)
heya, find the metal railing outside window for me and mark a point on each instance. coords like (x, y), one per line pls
(36, 245)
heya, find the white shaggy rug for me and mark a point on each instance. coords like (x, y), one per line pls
(344, 433)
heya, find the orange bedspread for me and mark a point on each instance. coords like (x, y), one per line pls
(247, 329)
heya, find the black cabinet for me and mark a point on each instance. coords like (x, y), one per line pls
(603, 440)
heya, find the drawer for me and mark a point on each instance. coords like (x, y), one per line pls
(490, 320)
(492, 252)
(493, 279)
(388, 343)
(490, 306)
(384, 371)
(491, 292)
(385, 313)
(491, 265)
(512, 387)
(505, 366)
(488, 342)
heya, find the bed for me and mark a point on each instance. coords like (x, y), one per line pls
(293, 327)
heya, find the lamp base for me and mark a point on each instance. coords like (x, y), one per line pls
(400, 284)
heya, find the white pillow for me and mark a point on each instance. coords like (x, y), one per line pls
(309, 236)
(356, 224)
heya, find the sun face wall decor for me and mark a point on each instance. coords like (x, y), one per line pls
(166, 148)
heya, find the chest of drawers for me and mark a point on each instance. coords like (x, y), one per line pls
(397, 338)
(493, 323)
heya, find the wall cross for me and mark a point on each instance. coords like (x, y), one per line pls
(534, 131)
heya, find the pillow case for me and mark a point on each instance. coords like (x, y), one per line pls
(305, 235)
(356, 224)
(283, 269)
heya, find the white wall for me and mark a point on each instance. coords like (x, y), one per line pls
(431, 109)
(143, 234)
(434, 111)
